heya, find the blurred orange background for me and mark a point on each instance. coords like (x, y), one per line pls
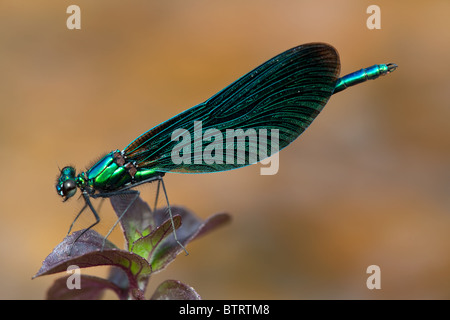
(367, 184)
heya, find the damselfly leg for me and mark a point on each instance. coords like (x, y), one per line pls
(124, 191)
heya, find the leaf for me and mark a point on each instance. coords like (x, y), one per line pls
(146, 245)
(87, 253)
(137, 221)
(91, 288)
(211, 223)
(150, 237)
(175, 290)
(119, 278)
(191, 228)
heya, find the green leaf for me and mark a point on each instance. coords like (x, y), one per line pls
(146, 245)
(192, 227)
(137, 221)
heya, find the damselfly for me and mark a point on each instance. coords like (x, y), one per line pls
(284, 94)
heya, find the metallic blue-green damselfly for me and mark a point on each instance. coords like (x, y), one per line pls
(284, 94)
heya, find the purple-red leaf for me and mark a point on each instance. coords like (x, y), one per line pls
(91, 288)
(87, 253)
(210, 224)
(175, 290)
(119, 278)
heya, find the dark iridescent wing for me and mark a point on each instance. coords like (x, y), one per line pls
(285, 93)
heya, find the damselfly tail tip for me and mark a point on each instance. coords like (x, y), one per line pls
(391, 67)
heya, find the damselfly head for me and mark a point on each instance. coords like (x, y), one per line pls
(66, 185)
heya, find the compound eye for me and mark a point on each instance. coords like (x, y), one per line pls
(69, 188)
